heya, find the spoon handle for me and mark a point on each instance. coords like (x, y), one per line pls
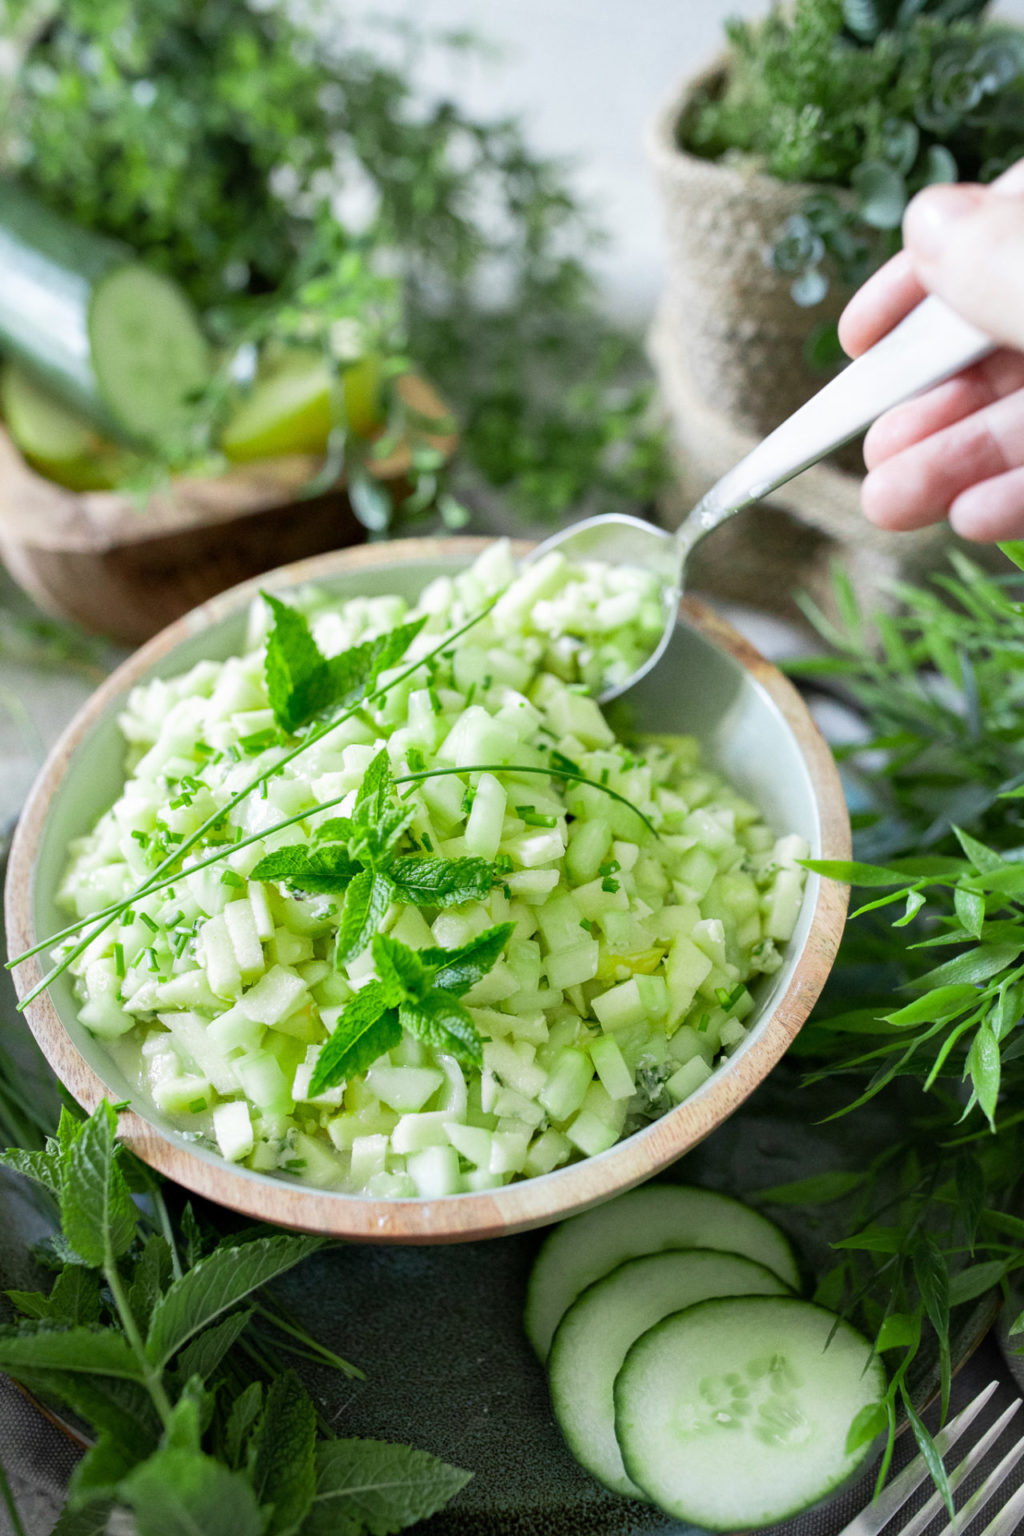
(930, 344)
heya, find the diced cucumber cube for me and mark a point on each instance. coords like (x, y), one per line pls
(369, 1157)
(434, 1172)
(103, 1013)
(732, 1033)
(589, 842)
(233, 1030)
(403, 1088)
(508, 1150)
(573, 965)
(483, 827)
(611, 1068)
(416, 1131)
(240, 922)
(312, 1162)
(263, 1081)
(189, 989)
(548, 1151)
(290, 948)
(784, 904)
(219, 959)
(471, 1142)
(184, 1095)
(686, 969)
(688, 1079)
(620, 1006)
(192, 1039)
(567, 1082)
(258, 896)
(232, 1126)
(514, 1068)
(590, 1134)
(277, 993)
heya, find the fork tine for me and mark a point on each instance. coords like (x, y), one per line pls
(974, 1457)
(995, 1479)
(1008, 1518)
(893, 1497)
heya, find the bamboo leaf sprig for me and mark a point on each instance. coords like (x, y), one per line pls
(143, 1336)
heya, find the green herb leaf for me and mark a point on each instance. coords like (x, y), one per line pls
(984, 1067)
(975, 966)
(93, 1519)
(974, 1281)
(819, 1189)
(179, 1493)
(460, 969)
(367, 1027)
(372, 1488)
(374, 792)
(100, 1471)
(940, 1004)
(42, 1167)
(367, 900)
(932, 1459)
(900, 1330)
(440, 1020)
(401, 971)
(215, 1284)
(437, 882)
(203, 1355)
(302, 683)
(150, 1277)
(328, 869)
(244, 1412)
(283, 1454)
(25, 1347)
(868, 1424)
(98, 1214)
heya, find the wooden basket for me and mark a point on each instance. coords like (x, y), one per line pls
(125, 569)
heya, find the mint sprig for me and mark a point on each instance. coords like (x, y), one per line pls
(302, 683)
(162, 1341)
(417, 991)
(358, 855)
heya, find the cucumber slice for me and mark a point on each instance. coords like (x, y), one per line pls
(735, 1412)
(57, 441)
(595, 1334)
(646, 1220)
(288, 410)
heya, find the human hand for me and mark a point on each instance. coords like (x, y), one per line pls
(956, 451)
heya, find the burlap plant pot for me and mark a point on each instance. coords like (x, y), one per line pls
(728, 349)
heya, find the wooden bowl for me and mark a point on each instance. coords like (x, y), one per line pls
(124, 567)
(753, 725)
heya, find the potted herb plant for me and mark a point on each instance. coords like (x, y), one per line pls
(783, 171)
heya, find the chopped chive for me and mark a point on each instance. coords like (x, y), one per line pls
(427, 842)
(611, 868)
(586, 923)
(534, 818)
(609, 885)
(197, 1106)
(705, 1020)
(142, 838)
(153, 927)
(119, 959)
(231, 877)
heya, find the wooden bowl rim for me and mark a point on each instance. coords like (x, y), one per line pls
(454, 1218)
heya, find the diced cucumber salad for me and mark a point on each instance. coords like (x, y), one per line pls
(459, 936)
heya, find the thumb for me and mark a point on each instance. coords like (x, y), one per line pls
(967, 245)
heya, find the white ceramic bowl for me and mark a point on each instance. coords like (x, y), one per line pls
(752, 725)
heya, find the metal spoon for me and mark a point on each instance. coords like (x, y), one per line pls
(929, 345)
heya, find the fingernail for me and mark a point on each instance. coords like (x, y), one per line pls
(932, 216)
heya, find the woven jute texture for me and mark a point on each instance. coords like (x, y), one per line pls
(733, 317)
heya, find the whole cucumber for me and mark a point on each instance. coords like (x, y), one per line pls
(113, 340)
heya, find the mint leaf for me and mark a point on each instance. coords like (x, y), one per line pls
(303, 683)
(327, 869)
(150, 1278)
(346, 672)
(204, 1354)
(100, 1470)
(41, 1167)
(374, 792)
(42, 1347)
(366, 1029)
(245, 1410)
(440, 1020)
(181, 1493)
(293, 659)
(366, 902)
(283, 1454)
(400, 969)
(97, 1213)
(436, 882)
(215, 1284)
(372, 1488)
(193, 1409)
(122, 1407)
(460, 969)
(92, 1520)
